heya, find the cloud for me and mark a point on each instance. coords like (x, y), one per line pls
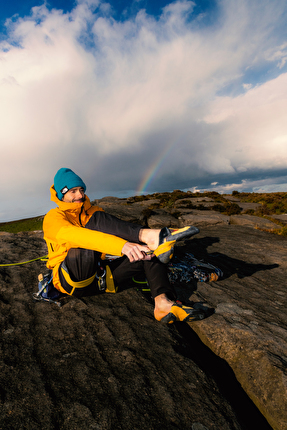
(269, 185)
(108, 98)
(253, 124)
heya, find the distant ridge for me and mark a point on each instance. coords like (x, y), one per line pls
(269, 205)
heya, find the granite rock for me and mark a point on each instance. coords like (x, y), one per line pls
(103, 362)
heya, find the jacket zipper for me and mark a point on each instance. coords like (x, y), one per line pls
(82, 207)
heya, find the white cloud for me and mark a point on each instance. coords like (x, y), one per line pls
(278, 54)
(85, 91)
(253, 128)
(251, 186)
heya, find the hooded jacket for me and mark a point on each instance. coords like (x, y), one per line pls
(64, 229)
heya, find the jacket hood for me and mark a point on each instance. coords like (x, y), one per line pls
(68, 206)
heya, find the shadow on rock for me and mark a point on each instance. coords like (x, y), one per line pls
(228, 265)
(192, 347)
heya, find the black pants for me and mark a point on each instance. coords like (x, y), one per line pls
(82, 264)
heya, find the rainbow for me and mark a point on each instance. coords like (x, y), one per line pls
(154, 169)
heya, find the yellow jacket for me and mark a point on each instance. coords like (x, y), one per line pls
(64, 229)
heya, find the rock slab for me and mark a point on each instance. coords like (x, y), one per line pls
(249, 327)
(103, 362)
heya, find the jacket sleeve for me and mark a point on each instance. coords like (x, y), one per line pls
(58, 229)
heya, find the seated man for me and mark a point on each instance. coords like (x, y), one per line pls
(78, 236)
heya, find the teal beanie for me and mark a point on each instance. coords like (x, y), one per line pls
(64, 180)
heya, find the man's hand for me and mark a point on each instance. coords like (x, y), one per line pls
(136, 252)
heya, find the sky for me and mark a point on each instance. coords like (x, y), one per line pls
(141, 96)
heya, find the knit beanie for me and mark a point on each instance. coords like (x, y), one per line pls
(64, 180)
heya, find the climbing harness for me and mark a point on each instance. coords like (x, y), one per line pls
(181, 270)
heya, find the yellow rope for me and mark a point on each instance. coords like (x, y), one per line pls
(43, 258)
(138, 282)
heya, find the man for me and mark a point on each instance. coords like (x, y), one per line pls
(78, 236)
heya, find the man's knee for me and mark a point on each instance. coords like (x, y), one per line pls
(81, 263)
(78, 254)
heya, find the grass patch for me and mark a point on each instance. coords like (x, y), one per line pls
(227, 208)
(282, 232)
(29, 224)
(272, 203)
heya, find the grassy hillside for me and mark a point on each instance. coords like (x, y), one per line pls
(29, 224)
(272, 203)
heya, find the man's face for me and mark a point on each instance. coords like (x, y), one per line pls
(74, 195)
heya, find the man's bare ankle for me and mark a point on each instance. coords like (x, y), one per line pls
(150, 237)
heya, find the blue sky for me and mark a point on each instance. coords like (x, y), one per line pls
(141, 96)
(122, 9)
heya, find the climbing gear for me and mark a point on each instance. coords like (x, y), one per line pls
(188, 268)
(43, 258)
(110, 285)
(168, 237)
(71, 285)
(180, 312)
(183, 313)
(48, 293)
(46, 290)
(183, 233)
(103, 278)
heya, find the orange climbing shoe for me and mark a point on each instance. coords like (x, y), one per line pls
(168, 237)
(183, 313)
